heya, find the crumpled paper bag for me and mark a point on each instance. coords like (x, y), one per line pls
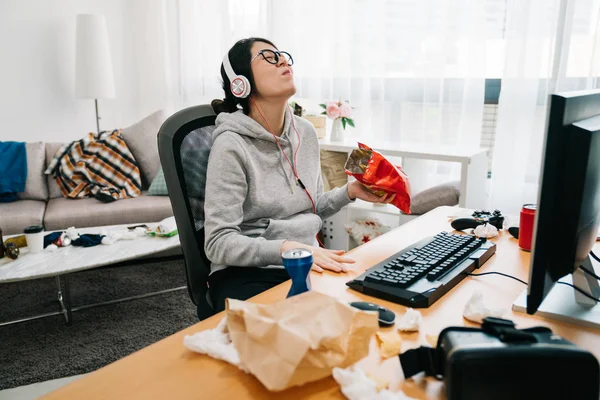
(300, 339)
(476, 310)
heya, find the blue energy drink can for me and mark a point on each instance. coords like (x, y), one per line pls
(297, 263)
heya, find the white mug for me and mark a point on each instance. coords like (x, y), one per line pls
(35, 238)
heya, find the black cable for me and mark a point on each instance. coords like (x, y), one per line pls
(500, 273)
(589, 296)
(594, 256)
(587, 271)
(525, 283)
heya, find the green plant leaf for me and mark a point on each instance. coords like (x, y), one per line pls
(344, 122)
(324, 113)
(351, 122)
(323, 105)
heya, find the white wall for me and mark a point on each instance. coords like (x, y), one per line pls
(37, 69)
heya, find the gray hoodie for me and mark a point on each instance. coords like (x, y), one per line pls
(253, 202)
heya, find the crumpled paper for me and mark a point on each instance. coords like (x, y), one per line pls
(72, 233)
(300, 339)
(390, 343)
(215, 343)
(114, 236)
(410, 321)
(475, 310)
(486, 230)
(356, 385)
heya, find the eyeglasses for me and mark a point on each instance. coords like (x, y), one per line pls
(272, 57)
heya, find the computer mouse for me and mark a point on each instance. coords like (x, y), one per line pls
(386, 317)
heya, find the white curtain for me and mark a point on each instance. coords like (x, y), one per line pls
(551, 46)
(414, 70)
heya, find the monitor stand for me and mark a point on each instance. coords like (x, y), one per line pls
(564, 303)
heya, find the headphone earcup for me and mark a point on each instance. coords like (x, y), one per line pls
(240, 86)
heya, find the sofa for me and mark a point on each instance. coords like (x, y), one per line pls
(43, 204)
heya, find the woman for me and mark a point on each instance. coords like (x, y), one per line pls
(264, 193)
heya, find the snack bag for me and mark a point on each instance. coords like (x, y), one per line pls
(381, 176)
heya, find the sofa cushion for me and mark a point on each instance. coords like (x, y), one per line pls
(17, 215)
(62, 213)
(446, 194)
(141, 138)
(53, 189)
(36, 187)
(159, 185)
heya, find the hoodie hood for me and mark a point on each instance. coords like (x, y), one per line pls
(242, 124)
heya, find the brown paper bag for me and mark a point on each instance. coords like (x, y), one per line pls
(300, 339)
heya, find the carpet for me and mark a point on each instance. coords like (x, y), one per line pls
(46, 348)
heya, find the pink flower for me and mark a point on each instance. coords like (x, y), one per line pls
(346, 110)
(333, 110)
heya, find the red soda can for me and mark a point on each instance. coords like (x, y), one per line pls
(526, 226)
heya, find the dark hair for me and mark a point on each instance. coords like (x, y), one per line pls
(239, 57)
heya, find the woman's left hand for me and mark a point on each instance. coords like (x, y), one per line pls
(357, 190)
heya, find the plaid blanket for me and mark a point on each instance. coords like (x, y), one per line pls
(99, 165)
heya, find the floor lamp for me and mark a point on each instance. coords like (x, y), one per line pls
(93, 65)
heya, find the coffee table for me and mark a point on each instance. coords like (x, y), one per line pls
(67, 260)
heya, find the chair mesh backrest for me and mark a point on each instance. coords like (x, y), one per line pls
(184, 144)
(194, 151)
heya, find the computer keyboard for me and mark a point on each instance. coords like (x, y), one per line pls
(419, 274)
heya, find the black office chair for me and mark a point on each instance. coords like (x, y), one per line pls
(184, 143)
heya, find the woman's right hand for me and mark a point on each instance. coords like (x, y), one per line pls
(332, 260)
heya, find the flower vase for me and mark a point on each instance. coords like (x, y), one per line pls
(337, 132)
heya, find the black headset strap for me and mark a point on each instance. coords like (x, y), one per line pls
(431, 360)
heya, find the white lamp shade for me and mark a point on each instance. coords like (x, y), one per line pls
(93, 66)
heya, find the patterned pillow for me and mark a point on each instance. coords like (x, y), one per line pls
(158, 186)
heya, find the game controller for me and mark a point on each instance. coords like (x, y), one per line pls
(479, 217)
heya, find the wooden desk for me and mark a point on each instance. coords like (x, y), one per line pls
(167, 370)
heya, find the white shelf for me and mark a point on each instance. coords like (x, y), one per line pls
(376, 208)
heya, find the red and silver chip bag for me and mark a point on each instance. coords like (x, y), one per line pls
(381, 176)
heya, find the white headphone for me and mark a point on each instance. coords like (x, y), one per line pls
(240, 85)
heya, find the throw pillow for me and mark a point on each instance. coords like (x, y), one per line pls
(159, 185)
(446, 194)
(36, 187)
(141, 138)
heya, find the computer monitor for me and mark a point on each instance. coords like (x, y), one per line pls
(568, 212)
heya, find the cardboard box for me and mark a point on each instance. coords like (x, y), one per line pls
(318, 122)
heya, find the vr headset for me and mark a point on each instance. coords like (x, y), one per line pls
(499, 361)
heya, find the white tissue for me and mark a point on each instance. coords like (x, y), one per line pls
(139, 231)
(411, 321)
(167, 225)
(52, 248)
(476, 310)
(215, 343)
(72, 233)
(112, 237)
(486, 231)
(355, 385)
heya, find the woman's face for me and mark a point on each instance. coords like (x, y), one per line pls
(271, 80)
